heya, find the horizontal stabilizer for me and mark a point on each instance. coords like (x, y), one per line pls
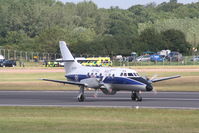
(65, 82)
(64, 61)
(166, 78)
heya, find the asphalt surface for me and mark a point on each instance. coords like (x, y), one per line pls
(177, 100)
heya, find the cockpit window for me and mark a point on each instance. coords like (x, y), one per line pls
(136, 74)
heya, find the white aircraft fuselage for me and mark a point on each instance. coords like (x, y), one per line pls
(113, 78)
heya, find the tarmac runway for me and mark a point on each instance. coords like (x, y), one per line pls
(176, 100)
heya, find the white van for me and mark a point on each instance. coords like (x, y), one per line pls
(2, 57)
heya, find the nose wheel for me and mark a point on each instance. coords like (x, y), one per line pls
(135, 96)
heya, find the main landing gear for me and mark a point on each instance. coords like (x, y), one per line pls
(135, 96)
(81, 96)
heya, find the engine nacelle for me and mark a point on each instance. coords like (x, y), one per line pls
(91, 82)
(108, 92)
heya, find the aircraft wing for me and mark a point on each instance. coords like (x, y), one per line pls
(65, 82)
(166, 78)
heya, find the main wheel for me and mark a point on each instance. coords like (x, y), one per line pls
(81, 98)
(138, 98)
(133, 96)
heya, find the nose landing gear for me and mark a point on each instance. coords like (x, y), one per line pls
(135, 96)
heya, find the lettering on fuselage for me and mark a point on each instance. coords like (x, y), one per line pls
(73, 68)
(76, 77)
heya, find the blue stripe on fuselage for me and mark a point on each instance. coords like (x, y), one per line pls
(76, 77)
(108, 80)
(121, 80)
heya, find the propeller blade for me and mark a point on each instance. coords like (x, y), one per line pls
(155, 91)
(108, 87)
(154, 77)
(96, 93)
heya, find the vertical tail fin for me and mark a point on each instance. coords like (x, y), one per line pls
(65, 52)
(69, 62)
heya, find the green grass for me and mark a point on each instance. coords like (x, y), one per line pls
(30, 80)
(97, 120)
(31, 76)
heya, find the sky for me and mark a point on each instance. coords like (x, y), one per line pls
(124, 4)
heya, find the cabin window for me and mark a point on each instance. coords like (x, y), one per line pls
(121, 74)
(125, 74)
(113, 75)
(130, 74)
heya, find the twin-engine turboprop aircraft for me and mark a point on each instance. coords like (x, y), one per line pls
(109, 80)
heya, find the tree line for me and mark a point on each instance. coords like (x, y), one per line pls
(35, 25)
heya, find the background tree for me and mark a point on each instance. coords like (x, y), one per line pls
(39, 24)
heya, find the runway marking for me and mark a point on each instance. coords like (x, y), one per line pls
(88, 92)
(100, 106)
(173, 99)
(158, 107)
(167, 99)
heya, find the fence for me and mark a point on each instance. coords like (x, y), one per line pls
(187, 60)
(28, 56)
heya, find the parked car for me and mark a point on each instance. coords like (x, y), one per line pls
(174, 56)
(7, 63)
(157, 58)
(144, 58)
(195, 58)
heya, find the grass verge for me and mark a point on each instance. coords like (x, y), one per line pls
(21, 80)
(97, 120)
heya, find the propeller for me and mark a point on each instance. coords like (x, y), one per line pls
(154, 77)
(96, 93)
(149, 80)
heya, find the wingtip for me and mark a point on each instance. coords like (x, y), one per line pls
(42, 79)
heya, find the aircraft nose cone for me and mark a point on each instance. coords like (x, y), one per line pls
(149, 87)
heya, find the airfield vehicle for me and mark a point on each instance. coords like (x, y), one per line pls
(174, 56)
(157, 58)
(97, 61)
(143, 58)
(1, 57)
(53, 64)
(195, 58)
(7, 63)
